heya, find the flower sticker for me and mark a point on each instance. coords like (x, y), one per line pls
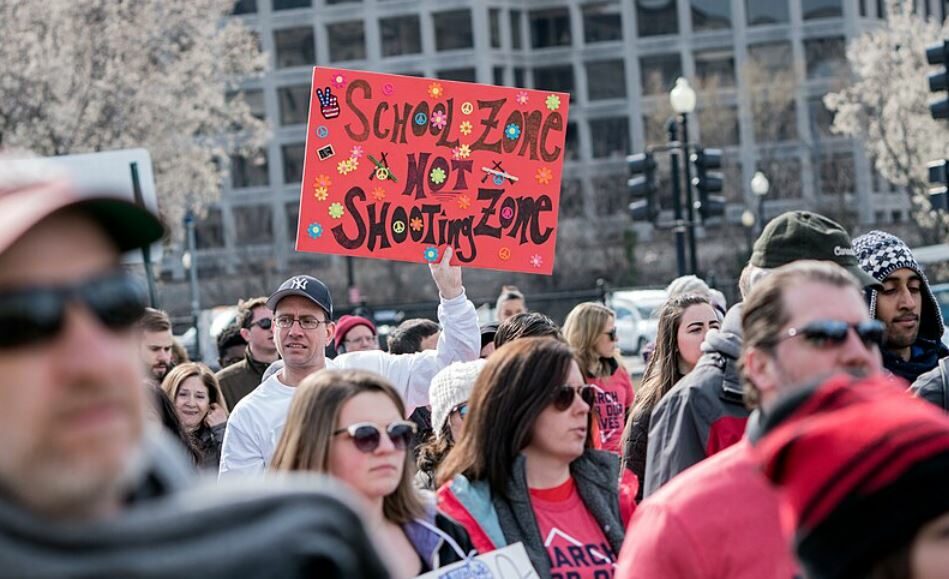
(439, 119)
(536, 260)
(461, 152)
(416, 224)
(464, 201)
(357, 152)
(336, 211)
(521, 97)
(378, 193)
(338, 80)
(437, 176)
(315, 231)
(544, 175)
(345, 167)
(353, 163)
(512, 132)
(552, 102)
(323, 181)
(321, 193)
(435, 90)
(465, 128)
(430, 254)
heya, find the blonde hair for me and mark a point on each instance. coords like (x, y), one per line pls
(177, 375)
(582, 329)
(308, 434)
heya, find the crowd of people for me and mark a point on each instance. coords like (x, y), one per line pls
(799, 433)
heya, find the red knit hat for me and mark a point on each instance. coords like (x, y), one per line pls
(862, 466)
(346, 323)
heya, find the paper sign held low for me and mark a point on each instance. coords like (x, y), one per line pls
(511, 562)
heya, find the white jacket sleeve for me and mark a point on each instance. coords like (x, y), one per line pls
(411, 374)
(240, 453)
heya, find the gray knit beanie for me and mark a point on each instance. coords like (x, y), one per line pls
(450, 387)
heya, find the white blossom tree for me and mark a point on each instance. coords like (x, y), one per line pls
(886, 105)
(91, 75)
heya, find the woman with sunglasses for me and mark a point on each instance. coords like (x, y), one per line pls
(200, 407)
(684, 320)
(449, 394)
(350, 424)
(524, 470)
(590, 329)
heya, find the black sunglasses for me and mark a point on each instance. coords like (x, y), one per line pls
(262, 323)
(563, 398)
(31, 315)
(461, 409)
(611, 334)
(367, 436)
(824, 333)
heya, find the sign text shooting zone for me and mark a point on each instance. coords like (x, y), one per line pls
(399, 168)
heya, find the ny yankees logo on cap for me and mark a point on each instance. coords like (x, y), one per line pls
(298, 283)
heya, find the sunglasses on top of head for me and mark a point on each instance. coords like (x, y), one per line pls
(367, 436)
(824, 333)
(564, 396)
(32, 315)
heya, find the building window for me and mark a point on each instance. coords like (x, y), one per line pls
(520, 77)
(347, 40)
(556, 78)
(294, 102)
(245, 7)
(715, 69)
(571, 143)
(550, 28)
(494, 22)
(497, 74)
(719, 126)
(602, 22)
(656, 17)
(774, 117)
(453, 30)
(253, 224)
(255, 102)
(784, 174)
(571, 198)
(610, 137)
(731, 173)
(331, 2)
(837, 174)
(763, 12)
(400, 35)
(516, 42)
(660, 72)
(292, 212)
(610, 194)
(815, 9)
(249, 171)
(462, 74)
(771, 58)
(711, 15)
(294, 47)
(293, 162)
(289, 4)
(821, 119)
(826, 57)
(606, 79)
(209, 230)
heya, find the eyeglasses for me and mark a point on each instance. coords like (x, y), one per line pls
(32, 315)
(363, 340)
(824, 333)
(263, 324)
(564, 396)
(611, 334)
(306, 322)
(367, 436)
(461, 409)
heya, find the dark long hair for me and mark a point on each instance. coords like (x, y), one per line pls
(517, 383)
(169, 420)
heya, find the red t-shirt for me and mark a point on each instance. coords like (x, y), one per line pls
(576, 545)
(613, 399)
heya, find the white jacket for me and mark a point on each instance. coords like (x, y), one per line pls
(255, 424)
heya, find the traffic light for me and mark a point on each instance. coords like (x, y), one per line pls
(642, 187)
(708, 181)
(939, 176)
(939, 80)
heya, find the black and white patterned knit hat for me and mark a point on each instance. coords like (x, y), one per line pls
(880, 254)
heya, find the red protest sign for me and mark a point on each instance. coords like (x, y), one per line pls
(401, 167)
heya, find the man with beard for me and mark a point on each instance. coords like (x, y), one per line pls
(87, 487)
(905, 305)
(156, 343)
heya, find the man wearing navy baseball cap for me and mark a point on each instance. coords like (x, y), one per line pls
(303, 316)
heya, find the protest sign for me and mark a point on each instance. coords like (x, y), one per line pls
(400, 168)
(511, 562)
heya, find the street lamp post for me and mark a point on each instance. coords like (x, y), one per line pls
(673, 128)
(748, 221)
(682, 99)
(760, 187)
(189, 261)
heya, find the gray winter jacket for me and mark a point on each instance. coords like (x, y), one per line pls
(703, 413)
(933, 386)
(177, 526)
